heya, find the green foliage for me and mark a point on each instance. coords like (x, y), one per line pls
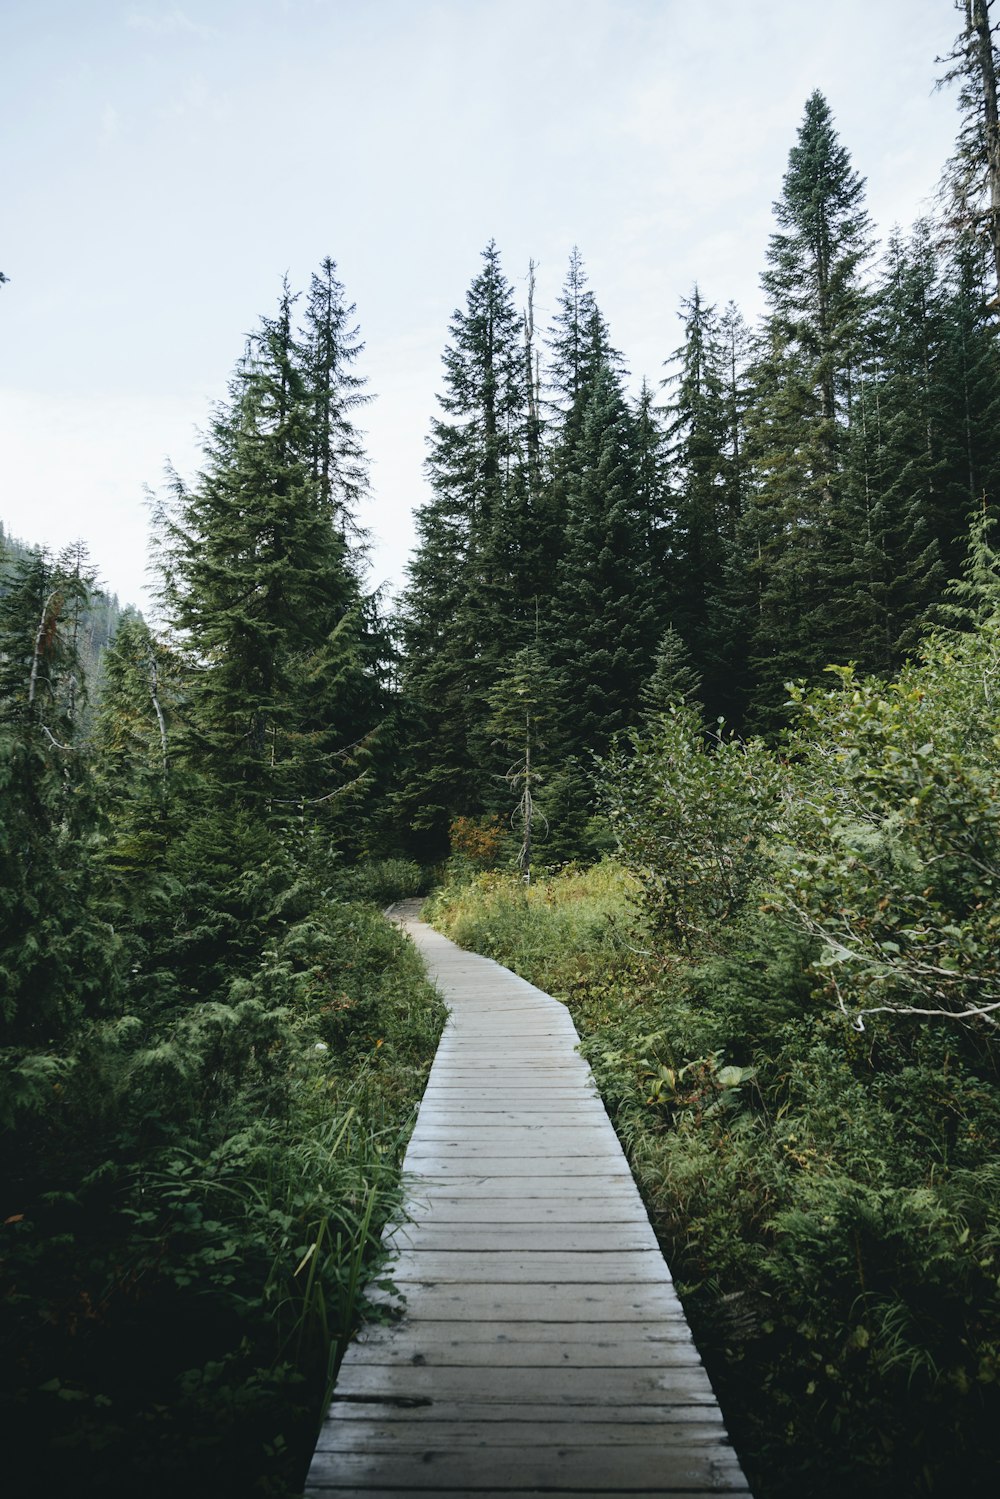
(383, 881)
(825, 1191)
(215, 1185)
(210, 1050)
(691, 813)
(892, 844)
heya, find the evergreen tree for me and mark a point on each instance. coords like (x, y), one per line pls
(896, 460)
(802, 517)
(522, 702)
(579, 346)
(57, 957)
(603, 617)
(972, 176)
(968, 399)
(704, 446)
(467, 603)
(673, 680)
(262, 585)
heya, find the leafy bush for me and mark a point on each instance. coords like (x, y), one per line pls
(890, 855)
(692, 813)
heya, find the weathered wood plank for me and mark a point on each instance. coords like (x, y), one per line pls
(553, 1302)
(577, 1352)
(516, 1266)
(685, 1383)
(490, 1416)
(541, 1345)
(387, 1436)
(341, 1491)
(609, 1469)
(568, 1236)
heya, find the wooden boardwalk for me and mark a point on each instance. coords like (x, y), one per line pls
(543, 1349)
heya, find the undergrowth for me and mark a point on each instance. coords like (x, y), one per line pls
(192, 1208)
(828, 1198)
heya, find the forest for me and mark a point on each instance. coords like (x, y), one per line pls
(688, 712)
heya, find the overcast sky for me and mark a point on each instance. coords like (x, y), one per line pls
(165, 164)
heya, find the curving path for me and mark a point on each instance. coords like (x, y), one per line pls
(543, 1349)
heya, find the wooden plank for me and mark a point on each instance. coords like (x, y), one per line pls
(435, 1164)
(494, 1414)
(558, 1238)
(381, 1435)
(332, 1486)
(506, 1212)
(537, 1302)
(573, 1352)
(608, 1469)
(515, 1266)
(619, 1191)
(589, 1132)
(686, 1383)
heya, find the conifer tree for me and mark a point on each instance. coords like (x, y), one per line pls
(522, 703)
(57, 957)
(674, 680)
(603, 617)
(466, 606)
(802, 518)
(262, 579)
(896, 458)
(972, 176)
(703, 447)
(969, 397)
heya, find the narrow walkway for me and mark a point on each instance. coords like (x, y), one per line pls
(543, 1348)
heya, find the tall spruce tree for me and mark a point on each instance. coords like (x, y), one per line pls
(896, 457)
(800, 530)
(467, 605)
(703, 444)
(57, 957)
(262, 580)
(603, 617)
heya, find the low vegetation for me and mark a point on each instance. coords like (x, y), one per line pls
(784, 984)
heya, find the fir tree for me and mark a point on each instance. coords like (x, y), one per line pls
(467, 603)
(57, 956)
(262, 580)
(703, 447)
(603, 629)
(674, 680)
(800, 420)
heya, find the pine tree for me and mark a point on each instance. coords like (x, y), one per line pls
(972, 176)
(673, 680)
(969, 398)
(704, 445)
(57, 956)
(467, 605)
(895, 461)
(262, 579)
(522, 703)
(803, 519)
(603, 615)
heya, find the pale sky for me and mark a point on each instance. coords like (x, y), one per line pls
(165, 164)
